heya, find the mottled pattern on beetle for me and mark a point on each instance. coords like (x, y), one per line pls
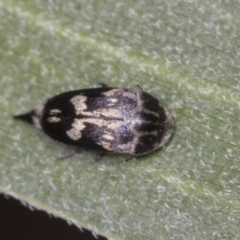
(53, 118)
(110, 113)
(121, 120)
(106, 119)
(36, 117)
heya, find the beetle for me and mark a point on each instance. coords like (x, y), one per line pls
(110, 120)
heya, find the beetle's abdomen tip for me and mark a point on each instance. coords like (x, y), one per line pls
(26, 117)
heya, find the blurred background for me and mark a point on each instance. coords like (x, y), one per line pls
(18, 222)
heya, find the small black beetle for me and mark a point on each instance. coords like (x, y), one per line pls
(116, 120)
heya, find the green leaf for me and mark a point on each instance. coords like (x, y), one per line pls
(185, 53)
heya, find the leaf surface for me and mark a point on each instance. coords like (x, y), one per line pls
(182, 52)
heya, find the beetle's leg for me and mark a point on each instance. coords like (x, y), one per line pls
(139, 87)
(134, 158)
(103, 85)
(100, 156)
(70, 154)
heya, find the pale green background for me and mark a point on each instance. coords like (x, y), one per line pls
(185, 53)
